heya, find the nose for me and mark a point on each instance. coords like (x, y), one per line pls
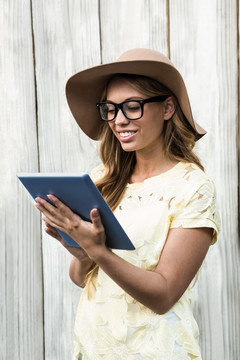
(121, 118)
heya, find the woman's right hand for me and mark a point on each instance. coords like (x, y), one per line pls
(77, 252)
(80, 264)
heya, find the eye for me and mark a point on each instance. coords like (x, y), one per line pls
(111, 107)
(107, 111)
(132, 106)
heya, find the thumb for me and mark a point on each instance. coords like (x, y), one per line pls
(95, 217)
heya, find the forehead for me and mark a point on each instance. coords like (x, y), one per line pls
(120, 89)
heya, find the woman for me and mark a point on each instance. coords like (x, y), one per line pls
(138, 304)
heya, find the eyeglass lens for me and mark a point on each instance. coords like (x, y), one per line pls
(131, 109)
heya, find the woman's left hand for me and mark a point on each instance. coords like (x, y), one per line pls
(90, 236)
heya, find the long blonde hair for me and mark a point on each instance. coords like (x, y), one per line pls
(179, 140)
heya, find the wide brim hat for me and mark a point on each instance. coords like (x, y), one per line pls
(85, 88)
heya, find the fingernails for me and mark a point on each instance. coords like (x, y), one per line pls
(95, 213)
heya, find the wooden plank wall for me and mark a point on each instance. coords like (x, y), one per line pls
(203, 43)
(21, 282)
(42, 44)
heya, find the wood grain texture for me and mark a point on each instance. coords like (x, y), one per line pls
(131, 24)
(203, 44)
(67, 40)
(38, 132)
(21, 297)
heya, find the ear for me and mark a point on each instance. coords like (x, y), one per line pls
(169, 108)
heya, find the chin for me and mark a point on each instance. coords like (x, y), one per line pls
(128, 147)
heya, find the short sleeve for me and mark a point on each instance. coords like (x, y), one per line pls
(200, 211)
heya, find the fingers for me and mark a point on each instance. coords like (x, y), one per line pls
(51, 207)
(56, 201)
(50, 230)
(98, 232)
(44, 207)
(55, 213)
(59, 217)
(52, 233)
(96, 219)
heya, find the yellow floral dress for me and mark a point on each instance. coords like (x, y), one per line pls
(110, 324)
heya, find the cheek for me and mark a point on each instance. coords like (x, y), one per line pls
(154, 130)
(110, 124)
(111, 127)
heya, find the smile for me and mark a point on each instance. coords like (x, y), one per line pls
(126, 134)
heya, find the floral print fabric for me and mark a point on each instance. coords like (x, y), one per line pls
(110, 324)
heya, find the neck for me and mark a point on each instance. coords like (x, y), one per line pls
(148, 166)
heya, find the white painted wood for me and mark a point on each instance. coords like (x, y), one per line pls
(132, 24)
(21, 297)
(203, 45)
(67, 40)
(68, 37)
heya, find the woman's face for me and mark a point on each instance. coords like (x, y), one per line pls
(144, 134)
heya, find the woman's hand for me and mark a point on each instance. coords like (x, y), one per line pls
(90, 236)
(77, 252)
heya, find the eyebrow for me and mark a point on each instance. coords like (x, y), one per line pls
(130, 98)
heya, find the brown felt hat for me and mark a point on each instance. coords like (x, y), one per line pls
(84, 89)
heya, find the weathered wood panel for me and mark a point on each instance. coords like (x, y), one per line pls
(21, 297)
(71, 35)
(67, 40)
(132, 24)
(203, 43)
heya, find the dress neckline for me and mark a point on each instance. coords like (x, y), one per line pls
(156, 177)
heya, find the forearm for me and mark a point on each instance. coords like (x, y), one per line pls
(147, 287)
(181, 257)
(78, 270)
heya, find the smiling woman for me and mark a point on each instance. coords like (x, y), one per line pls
(176, 142)
(146, 133)
(138, 304)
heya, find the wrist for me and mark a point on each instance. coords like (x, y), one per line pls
(99, 254)
(85, 262)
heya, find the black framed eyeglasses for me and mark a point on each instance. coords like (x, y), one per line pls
(131, 109)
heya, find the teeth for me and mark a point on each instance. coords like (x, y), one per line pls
(127, 133)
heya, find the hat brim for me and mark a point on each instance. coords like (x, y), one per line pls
(84, 89)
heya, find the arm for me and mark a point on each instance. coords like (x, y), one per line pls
(79, 269)
(80, 264)
(180, 260)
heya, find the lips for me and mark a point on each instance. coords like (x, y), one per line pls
(125, 136)
(127, 133)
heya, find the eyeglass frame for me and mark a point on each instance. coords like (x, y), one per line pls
(159, 98)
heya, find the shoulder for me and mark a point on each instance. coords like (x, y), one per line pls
(195, 201)
(192, 173)
(97, 173)
(190, 179)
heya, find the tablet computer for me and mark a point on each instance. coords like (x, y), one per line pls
(81, 195)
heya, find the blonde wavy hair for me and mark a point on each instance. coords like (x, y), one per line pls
(179, 140)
